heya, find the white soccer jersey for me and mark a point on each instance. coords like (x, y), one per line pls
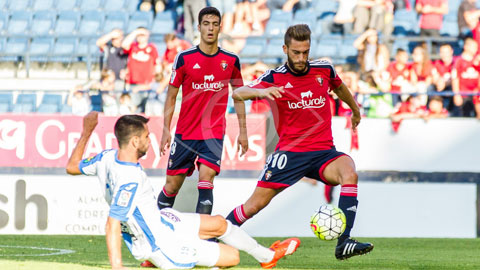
(168, 237)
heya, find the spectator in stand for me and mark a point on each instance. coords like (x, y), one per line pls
(142, 64)
(411, 108)
(399, 76)
(374, 96)
(190, 21)
(159, 5)
(106, 86)
(372, 56)
(442, 73)
(344, 16)
(421, 73)
(79, 101)
(111, 45)
(431, 16)
(174, 46)
(125, 105)
(369, 14)
(465, 78)
(436, 109)
(468, 16)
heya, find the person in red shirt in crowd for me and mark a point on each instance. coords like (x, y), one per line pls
(431, 17)
(436, 109)
(399, 75)
(422, 71)
(442, 72)
(204, 72)
(142, 64)
(298, 95)
(174, 46)
(465, 78)
(411, 108)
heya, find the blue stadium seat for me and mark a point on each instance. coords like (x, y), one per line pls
(51, 103)
(274, 52)
(326, 6)
(19, 4)
(276, 28)
(331, 40)
(115, 19)
(43, 21)
(3, 4)
(164, 23)
(449, 28)
(140, 19)
(66, 4)
(42, 4)
(3, 21)
(19, 22)
(252, 50)
(325, 50)
(6, 102)
(66, 109)
(90, 4)
(348, 52)
(132, 5)
(399, 44)
(3, 41)
(280, 15)
(67, 22)
(15, 48)
(453, 5)
(25, 103)
(64, 49)
(87, 47)
(48, 108)
(161, 48)
(306, 16)
(110, 5)
(91, 22)
(402, 28)
(40, 49)
(96, 102)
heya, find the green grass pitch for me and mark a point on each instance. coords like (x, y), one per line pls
(90, 252)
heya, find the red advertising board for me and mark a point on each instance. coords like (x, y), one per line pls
(29, 140)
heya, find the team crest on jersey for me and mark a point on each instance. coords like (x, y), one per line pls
(320, 80)
(268, 175)
(224, 65)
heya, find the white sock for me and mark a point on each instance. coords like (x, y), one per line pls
(239, 239)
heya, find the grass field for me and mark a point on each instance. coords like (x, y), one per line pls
(21, 252)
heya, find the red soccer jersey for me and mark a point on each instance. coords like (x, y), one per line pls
(204, 80)
(466, 73)
(141, 64)
(303, 118)
(445, 71)
(398, 77)
(423, 75)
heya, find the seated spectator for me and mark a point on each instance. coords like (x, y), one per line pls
(369, 14)
(158, 5)
(116, 58)
(465, 78)
(372, 56)
(409, 109)
(106, 87)
(442, 72)
(431, 16)
(422, 68)
(79, 101)
(142, 64)
(467, 17)
(125, 105)
(375, 101)
(174, 46)
(436, 109)
(399, 76)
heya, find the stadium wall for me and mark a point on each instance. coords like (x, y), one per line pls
(32, 204)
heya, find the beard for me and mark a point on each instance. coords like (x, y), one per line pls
(292, 64)
(141, 152)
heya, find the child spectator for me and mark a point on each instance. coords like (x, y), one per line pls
(79, 101)
(436, 109)
(126, 106)
(411, 108)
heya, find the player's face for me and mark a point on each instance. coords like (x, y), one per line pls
(297, 55)
(209, 28)
(144, 142)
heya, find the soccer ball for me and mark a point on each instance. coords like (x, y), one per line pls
(328, 223)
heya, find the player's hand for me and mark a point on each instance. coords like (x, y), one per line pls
(242, 143)
(272, 92)
(165, 142)
(90, 121)
(355, 121)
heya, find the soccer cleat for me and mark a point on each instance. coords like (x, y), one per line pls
(282, 249)
(147, 263)
(351, 247)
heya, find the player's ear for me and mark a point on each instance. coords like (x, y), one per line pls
(135, 140)
(285, 49)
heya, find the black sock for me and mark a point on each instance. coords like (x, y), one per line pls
(237, 216)
(348, 203)
(205, 197)
(165, 200)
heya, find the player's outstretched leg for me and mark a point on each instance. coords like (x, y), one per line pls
(351, 247)
(282, 249)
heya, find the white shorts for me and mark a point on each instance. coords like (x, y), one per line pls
(183, 248)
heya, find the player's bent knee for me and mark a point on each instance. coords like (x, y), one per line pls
(349, 177)
(221, 224)
(229, 256)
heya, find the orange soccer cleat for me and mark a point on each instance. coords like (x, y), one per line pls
(147, 263)
(286, 247)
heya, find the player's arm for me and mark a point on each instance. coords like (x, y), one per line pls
(89, 123)
(242, 125)
(344, 94)
(114, 242)
(168, 111)
(247, 92)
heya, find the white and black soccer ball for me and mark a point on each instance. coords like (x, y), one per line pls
(328, 223)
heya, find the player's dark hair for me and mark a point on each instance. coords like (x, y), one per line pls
(128, 126)
(299, 32)
(209, 11)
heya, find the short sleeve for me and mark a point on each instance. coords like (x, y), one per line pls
(264, 81)
(178, 71)
(89, 165)
(237, 79)
(122, 201)
(335, 80)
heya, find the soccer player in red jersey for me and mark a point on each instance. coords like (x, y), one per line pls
(298, 95)
(203, 72)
